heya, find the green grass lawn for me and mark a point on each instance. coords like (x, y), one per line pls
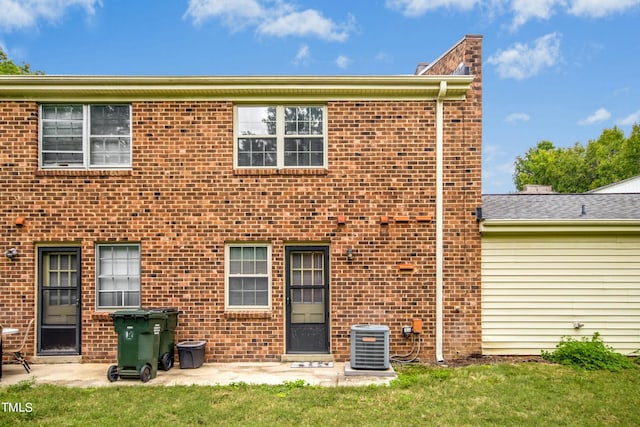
(526, 394)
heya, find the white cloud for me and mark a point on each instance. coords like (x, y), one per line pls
(307, 23)
(343, 61)
(517, 117)
(235, 13)
(19, 14)
(420, 7)
(524, 10)
(631, 119)
(275, 18)
(599, 116)
(522, 61)
(303, 56)
(600, 8)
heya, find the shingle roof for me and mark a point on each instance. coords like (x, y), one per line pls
(561, 206)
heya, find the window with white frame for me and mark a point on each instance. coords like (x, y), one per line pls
(76, 136)
(281, 136)
(118, 275)
(247, 276)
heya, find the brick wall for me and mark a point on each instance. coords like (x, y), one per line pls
(182, 201)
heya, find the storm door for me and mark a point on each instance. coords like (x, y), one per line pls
(307, 299)
(59, 301)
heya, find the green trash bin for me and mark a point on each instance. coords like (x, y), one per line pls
(139, 334)
(166, 348)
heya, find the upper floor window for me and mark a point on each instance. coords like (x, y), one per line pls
(281, 136)
(76, 136)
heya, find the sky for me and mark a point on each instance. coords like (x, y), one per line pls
(555, 70)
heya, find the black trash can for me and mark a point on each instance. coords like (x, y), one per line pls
(191, 354)
(167, 336)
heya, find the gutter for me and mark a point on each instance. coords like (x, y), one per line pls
(555, 226)
(439, 219)
(49, 88)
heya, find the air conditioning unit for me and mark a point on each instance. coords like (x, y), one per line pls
(370, 347)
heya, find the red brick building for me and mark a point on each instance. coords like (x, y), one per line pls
(274, 212)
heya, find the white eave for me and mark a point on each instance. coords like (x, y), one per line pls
(51, 88)
(556, 226)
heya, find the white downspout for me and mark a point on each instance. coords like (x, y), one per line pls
(439, 219)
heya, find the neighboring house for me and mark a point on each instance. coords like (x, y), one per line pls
(557, 265)
(630, 185)
(274, 212)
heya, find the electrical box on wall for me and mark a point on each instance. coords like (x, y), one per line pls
(417, 326)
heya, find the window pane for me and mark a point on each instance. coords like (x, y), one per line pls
(307, 295)
(262, 298)
(304, 151)
(257, 152)
(303, 120)
(248, 267)
(261, 253)
(52, 159)
(110, 151)
(132, 298)
(296, 295)
(307, 278)
(261, 267)
(109, 299)
(235, 267)
(62, 135)
(307, 260)
(110, 120)
(256, 120)
(296, 278)
(235, 253)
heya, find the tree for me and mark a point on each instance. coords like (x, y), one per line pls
(608, 159)
(7, 66)
(562, 168)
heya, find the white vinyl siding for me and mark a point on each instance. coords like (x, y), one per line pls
(536, 287)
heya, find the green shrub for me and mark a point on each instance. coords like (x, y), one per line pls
(588, 353)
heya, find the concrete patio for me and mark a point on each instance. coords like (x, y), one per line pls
(95, 375)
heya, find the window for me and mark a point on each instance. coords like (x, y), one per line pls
(248, 276)
(281, 137)
(76, 136)
(118, 276)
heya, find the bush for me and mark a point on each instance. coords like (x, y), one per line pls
(588, 353)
